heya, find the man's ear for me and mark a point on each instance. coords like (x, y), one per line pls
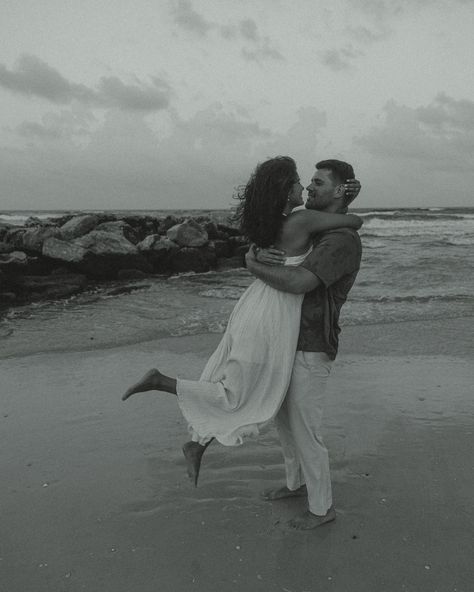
(340, 196)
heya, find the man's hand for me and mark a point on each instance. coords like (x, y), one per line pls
(287, 278)
(269, 256)
(352, 187)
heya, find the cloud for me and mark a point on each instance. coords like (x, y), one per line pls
(229, 32)
(262, 53)
(124, 163)
(215, 134)
(302, 140)
(31, 129)
(248, 29)
(134, 97)
(384, 10)
(419, 156)
(339, 59)
(440, 135)
(186, 17)
(365, 36)
(258, 48)
(33, 77)
(57, 126)
(447, 115)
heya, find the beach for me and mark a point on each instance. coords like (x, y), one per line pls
(95, 493)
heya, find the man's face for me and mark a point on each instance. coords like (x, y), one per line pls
(321, 190)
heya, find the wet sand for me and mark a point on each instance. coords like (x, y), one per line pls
(95, 495)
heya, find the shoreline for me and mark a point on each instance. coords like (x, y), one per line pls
(96, 496)
(403, 337)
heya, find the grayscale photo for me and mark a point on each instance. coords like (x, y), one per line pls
(236, 296)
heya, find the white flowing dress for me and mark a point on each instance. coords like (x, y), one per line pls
(245, 380)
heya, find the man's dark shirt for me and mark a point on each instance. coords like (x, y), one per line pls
(335, 260)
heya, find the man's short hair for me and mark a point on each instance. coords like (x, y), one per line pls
(341, 171)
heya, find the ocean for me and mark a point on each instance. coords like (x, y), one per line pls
(417, 265)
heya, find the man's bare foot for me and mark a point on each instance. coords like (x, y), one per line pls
(277, 493)
(193, 452)
(150, 382)
(308, 520)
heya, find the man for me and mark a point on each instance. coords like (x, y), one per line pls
(326, 277)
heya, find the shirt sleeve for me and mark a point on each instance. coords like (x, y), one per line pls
(335, 255)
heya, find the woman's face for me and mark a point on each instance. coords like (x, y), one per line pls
(295, 196)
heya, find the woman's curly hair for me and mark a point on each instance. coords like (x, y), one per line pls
(264, 198)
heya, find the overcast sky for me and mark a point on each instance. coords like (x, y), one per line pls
(171, 103)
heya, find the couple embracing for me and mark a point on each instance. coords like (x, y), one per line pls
(275, 356)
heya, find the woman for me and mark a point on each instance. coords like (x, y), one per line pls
(245, 380)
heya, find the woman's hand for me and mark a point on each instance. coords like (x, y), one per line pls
(352, 187)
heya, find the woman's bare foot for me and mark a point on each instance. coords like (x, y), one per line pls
(193, 452)
(150, 382)
(277, 493)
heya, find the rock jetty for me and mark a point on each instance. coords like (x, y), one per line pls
(59, 257)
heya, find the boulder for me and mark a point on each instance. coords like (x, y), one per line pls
(215, 231)
(33, 238)
(188, 234)
(4, 228)
(120, 227)
(37, 259)
(142, 225)
(78, 226)
(221, 248)
(61, 220)
(228, 230)
(209, 254)
(108, 253)
(240, 251)
(35, 221)
(238, 245)
(13, 262)
(6, 248)
(158, 251)
(14, 236)
(38, 266)
(18, 262)
(211, 228)
(100, 242)
(189, 259)
(65, 251)
(99, 254)
(164, 224)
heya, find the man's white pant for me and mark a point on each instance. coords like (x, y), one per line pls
(299, 427)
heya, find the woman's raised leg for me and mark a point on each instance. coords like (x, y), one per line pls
(153, 380)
